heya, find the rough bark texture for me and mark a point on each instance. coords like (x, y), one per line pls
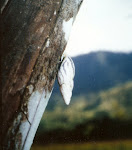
(32, 44)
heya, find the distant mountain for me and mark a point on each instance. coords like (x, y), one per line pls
(101, 70)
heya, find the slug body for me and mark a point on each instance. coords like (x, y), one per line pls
(65, 77)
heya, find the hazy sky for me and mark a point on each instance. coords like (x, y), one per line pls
(102, 25)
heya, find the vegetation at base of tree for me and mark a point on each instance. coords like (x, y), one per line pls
(106, 115)
(111, 145)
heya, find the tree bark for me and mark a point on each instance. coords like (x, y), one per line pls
(34, 36)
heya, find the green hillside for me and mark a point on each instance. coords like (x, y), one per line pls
(103, 115)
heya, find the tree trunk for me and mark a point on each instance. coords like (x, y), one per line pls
(34, 36)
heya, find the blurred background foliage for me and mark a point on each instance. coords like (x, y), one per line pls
(101, 106)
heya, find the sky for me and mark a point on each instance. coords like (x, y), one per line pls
(102, 25)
